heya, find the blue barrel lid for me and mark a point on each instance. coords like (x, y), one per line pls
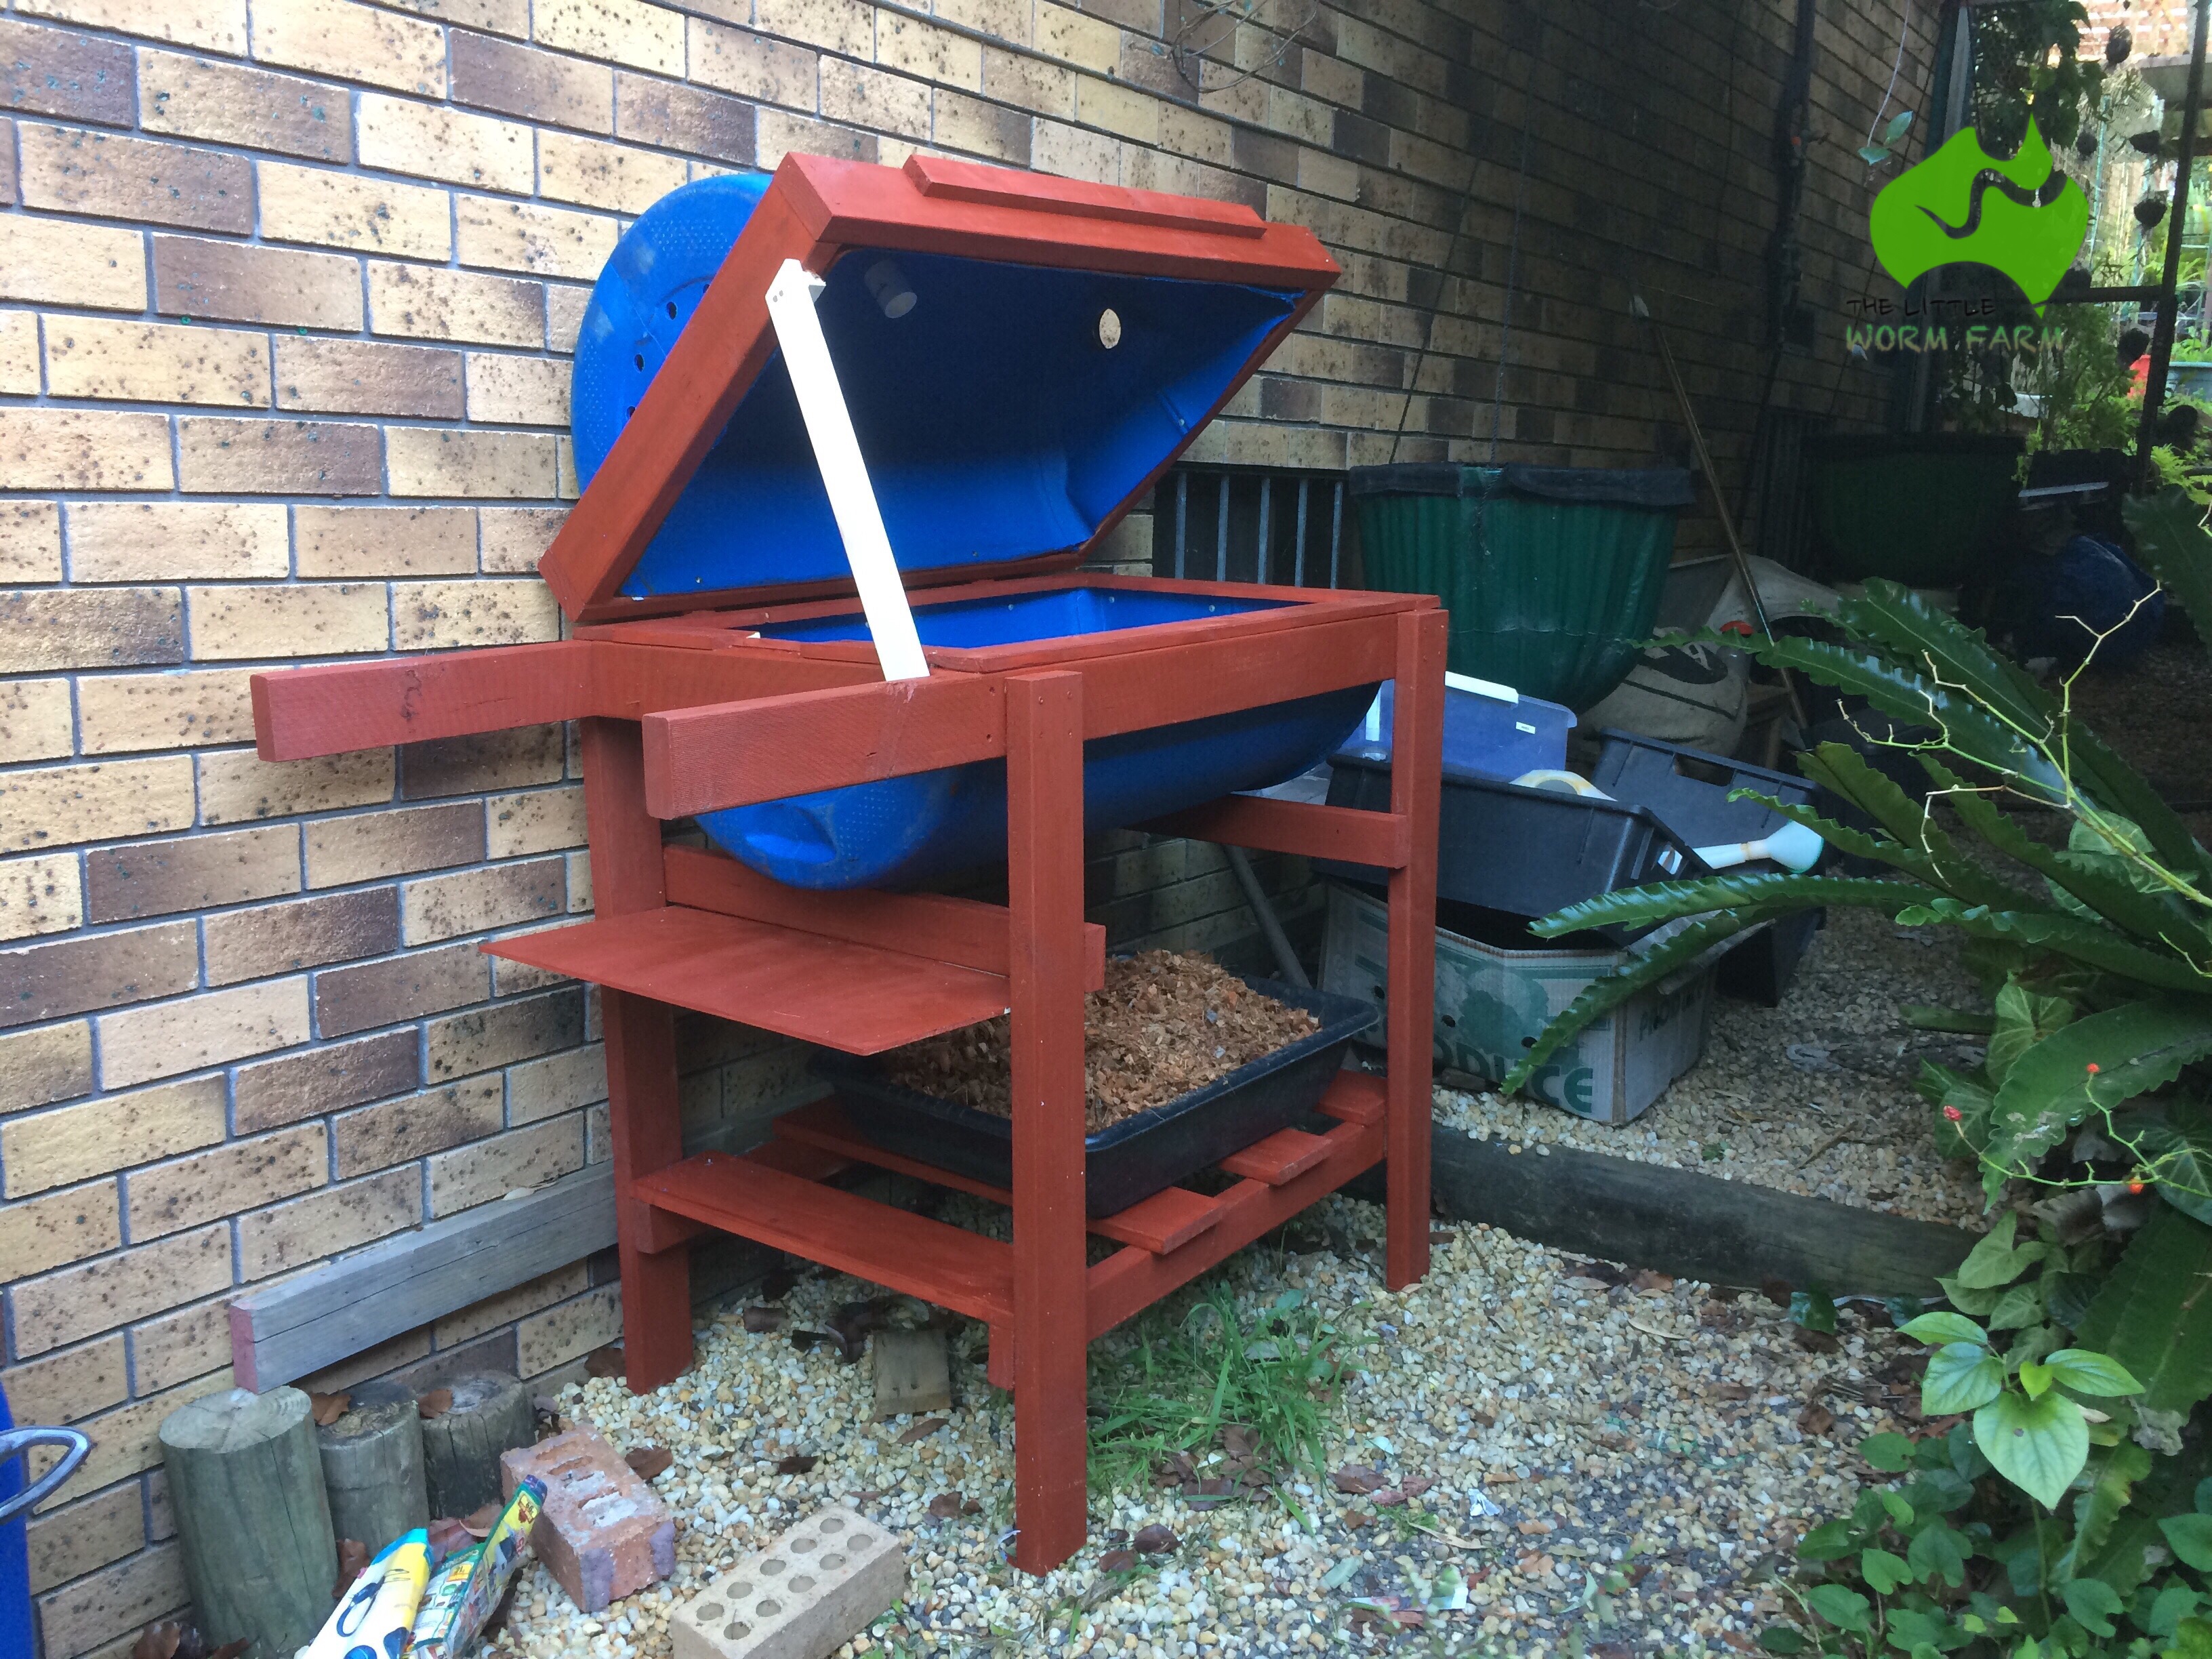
(1005, 410)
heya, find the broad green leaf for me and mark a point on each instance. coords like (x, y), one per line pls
(1940, 1550)
(2086, 1372)
(2155, 1313)
(1846, 1609)
(1603, 995)
(1883, 1570)
(1933, 1017)
(2190, 1537)
(2192, 1639)
(1900, 1511)
(1916, 1634)
(2174, 1603)
(1962, 1376)
(2019, 1306)
(1780, 1638)
(1965, 1299)
(1813, 1310)
(2112, 1481)
(2092, 1602)
(2023, 1019)
(1891, 1453)
(2039, 1445)
(2036, 1379)
(2177, 1159)
(1899, 124)
(1935, 1329)
(1996, 1260)
(1831, 1540)
(2101, 1059)
(2069, 936)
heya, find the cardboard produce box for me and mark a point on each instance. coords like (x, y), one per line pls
(1493, 1002)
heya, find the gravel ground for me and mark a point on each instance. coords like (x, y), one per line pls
(1578, 1432)
(1815, 1097)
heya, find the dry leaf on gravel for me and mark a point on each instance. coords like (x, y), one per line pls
(1415, 1485)
(1649, 1278)
(605, 1362)
(1357, 1477)
(1732, 1391)
(649, 1461)
(760, 1319)
(797, 1463)
(327, 1408)
(1118, 1561)
(1816, 1418)
(1155, 1540)
(921, 1430)
(434, 1404)
(944, 1506)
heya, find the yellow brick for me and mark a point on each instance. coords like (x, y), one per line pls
(51, 1232)
(385, 541)
(75, 1143)
(1008, 20)
(292, 620)
(560, 1335)
(523, 1157)
(19, 353)
(192, 1342)
(217, 25)
(154, 362)
(472, 901)
(238, 786)
(547, 241)
(438, 461)
(1090, 42)
(518, 391)
(51, 1063)
(61, 805)
(67, 1543)
(914, 47)
(841, 26)
(436, 616)
(1013, 77)
(538, 821)
(341, 1218)
(751, 65)
(54, 262)
(353, 42)
(983, 129)
(866, 97)
(431, 143)
(30, 542)
(778, 134)
(416, 1125)
(162, 541)
(211, 1029)
(579, 882)
(516, 537)
(117, 714)
(360, 377)
(79, 449)
(171, 1197)
(39, 896)
(566, 483)
(643, 36)
(565, 305)
(338, 209)
(73, 1385)
(509, 1306)
(34, 719)
(126, 1442)
(601, 175)
(98, 1295)
(1118, 108)
(495, 16)
(455, 305)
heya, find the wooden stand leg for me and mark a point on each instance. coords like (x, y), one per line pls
(1417, 746)
(1044, 837)
(642, 1117)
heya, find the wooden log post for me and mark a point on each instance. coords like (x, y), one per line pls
(246, 1484)
(372, 1466)
(490, 1414)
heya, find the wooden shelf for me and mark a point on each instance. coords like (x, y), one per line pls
(858, 998)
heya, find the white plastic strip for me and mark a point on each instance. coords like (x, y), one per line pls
(791, 299)
(1490, 688)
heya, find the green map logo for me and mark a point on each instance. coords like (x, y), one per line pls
(1963, 206)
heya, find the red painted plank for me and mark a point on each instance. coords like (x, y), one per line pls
(752, 1198)
(700, 760)
(1304, 828)
(964, 932)
(1134, 690)
(1044, 886)
(1280, 1158)
(1417, 748)
(1166, 1221)
(971, 181)
(1355, 1097)
(331, 707)
(821, 990)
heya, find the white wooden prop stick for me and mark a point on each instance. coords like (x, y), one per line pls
(791, 299)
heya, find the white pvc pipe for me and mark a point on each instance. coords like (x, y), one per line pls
(791, 299)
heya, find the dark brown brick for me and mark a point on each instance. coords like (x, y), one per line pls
(92, 627)
(349, 999)
(98, 971)
(1359, 138)
(161, 877)
(1142, 15)
(197, 98)
(497, 760)
(277, 938)
(344, 850)
(683, 118)
(230, 283)
(327, 1079)
(1289, 400)
(504, 1033)
(280, 457)
(62, 72)
(531, 83)
(1391, 102)
(72, 171)
(1266, 155)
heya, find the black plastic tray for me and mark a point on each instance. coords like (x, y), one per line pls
(1140, 1155)
(1522, 851)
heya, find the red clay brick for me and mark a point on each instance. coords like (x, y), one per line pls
(596, 1561)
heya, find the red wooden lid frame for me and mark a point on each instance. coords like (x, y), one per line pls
(816, 210)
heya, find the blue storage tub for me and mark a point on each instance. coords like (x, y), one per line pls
(998, 424)
(1490, 730)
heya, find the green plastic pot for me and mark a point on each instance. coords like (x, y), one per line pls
(1921, 508)
(1552, 574)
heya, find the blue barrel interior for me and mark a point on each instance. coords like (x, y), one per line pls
(997, 425)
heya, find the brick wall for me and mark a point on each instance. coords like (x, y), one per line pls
(287, 291)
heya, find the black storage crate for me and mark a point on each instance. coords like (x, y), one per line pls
(1143, 1153)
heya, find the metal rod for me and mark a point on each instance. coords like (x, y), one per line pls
(1221, 535)
(1260, 558)
(1287, 959)
(1335, 530)
(2161, 339)
(1183, 520)
(1298, 561)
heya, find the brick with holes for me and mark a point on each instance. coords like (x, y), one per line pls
(818, 1586)
(603, 1533)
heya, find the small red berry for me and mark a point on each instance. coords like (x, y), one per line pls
(2135, 1186)
(1952, 1113)
(2094, 1068)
